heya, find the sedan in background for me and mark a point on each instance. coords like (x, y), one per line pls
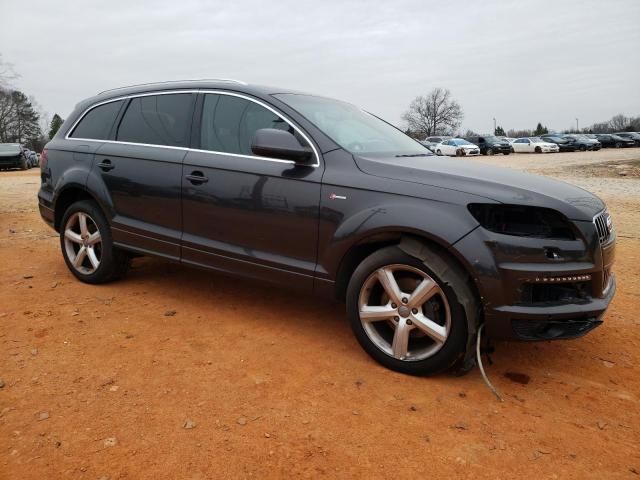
(564, 144)
(614, 141)
(432, 142)
(582, 142)
(12, 155)
(457, 147)
(533, 145)
(630, 136)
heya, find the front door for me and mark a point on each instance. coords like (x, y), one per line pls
(244, 213)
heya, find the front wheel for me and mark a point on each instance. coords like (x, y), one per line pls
(404, 315)
(490, 151)
(87, 246)
(538, 150)
(618, 145)
(438, 152)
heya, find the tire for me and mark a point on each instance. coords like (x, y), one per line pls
(538, 150)
(618, 145)
(490, 151)
(438, 152)
(506, 153)
(111, 262)
(430, 356)
(583, 148)
(24, 165)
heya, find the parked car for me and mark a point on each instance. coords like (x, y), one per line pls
(12, 155)
(533, 145)
(457, 147)
(509, 140)
(582, 142)
(563, 144)
(490, 144)
(323, 197)
(431, 142)
(630, 136)
(614, 141)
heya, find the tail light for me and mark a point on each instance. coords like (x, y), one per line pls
(43, 160)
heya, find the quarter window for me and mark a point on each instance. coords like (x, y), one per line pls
(158, 120)
(97, 123)
(229, 124)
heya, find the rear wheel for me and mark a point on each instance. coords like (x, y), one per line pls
(618, 145)
(583, 148)
(404, 315)
(87, 246)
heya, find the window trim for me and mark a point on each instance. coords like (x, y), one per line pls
(213, 152)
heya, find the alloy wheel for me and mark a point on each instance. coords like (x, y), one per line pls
(404, 312)
(83, 243)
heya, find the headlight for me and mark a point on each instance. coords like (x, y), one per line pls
(522, 221)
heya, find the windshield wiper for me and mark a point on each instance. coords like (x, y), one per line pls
(416, 155)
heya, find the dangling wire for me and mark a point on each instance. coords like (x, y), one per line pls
(482, 372)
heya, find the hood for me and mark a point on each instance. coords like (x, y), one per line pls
(9, 154)
(502, 185)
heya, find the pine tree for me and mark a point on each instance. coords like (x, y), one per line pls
(56, 123)
(499, 132)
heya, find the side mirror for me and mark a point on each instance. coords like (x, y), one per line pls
(280, 144)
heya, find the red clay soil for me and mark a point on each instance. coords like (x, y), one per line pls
(180, 373)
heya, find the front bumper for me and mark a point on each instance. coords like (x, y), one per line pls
(528, 296)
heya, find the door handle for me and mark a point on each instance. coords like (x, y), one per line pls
(197, 178)
(106, 165)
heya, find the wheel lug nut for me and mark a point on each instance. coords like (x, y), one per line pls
(396, 318)
(393, 305)
(409, 322)
(414, 310)
(404, 300)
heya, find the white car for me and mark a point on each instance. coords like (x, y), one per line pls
(457, 147)
(533, 145)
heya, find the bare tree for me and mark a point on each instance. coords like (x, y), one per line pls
(433, 114)
(619, 122)
(6, 74)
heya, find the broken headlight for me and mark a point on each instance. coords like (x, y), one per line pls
(522, 221)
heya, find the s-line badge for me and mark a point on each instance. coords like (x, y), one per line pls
(333, 196)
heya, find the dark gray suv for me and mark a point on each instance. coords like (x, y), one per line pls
(320, 196)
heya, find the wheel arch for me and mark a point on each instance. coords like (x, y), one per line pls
(69, 195)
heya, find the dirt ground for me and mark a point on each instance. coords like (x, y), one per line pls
(179, 373)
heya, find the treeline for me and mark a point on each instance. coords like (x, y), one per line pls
(20, 118)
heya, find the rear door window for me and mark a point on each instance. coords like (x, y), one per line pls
(158, 120)
(97, 123)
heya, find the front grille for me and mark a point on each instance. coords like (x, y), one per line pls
(604, 226)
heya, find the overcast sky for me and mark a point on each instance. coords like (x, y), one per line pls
(519, 61)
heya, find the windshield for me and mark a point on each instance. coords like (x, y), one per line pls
(536, 140)
(9, 148)
(352, 128)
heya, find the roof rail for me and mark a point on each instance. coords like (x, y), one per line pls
(229, 80)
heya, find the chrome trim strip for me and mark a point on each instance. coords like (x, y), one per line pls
(172, 92)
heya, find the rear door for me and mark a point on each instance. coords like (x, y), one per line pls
(141, 169)
(244, 213)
